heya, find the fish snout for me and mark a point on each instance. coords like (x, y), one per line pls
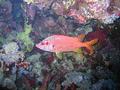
(37, 45)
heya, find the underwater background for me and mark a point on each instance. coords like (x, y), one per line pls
(26, 66)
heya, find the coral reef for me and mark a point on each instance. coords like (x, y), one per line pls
(24, 23)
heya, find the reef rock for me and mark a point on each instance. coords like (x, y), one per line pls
(11, 47)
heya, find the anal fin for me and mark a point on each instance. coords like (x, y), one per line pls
(78, 50)
(59, 55)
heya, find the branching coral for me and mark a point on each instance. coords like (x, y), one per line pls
(40, 3)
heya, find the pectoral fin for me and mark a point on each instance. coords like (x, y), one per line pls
(59, 55)
(81, 37)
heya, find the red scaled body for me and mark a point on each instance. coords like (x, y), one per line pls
(62, 43)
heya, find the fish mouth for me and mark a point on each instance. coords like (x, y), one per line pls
(37, 45)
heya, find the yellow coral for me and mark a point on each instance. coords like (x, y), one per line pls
(68, 3)
(29, 1)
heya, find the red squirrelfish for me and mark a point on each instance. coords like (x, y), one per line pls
(62, 43)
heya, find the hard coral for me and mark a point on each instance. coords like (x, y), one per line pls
(11, 54)
(41, 4)
(11, 47)
(58, 8)
(89, 9)
(5, 10)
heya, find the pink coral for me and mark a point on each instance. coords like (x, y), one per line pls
(88, 9)
(58, 8)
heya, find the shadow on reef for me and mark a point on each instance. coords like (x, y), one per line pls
(115, 34)
(106, 65)
(115, 40)
(4, 88)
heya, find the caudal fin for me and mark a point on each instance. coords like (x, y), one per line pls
(92, 42)
(89, 45)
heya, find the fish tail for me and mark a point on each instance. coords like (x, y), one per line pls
(89, 45)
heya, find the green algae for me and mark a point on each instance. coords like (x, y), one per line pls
(25, 37)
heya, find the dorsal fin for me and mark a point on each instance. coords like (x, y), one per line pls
(81, 37)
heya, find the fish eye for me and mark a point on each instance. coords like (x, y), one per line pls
(53, 46)
(46, 43)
